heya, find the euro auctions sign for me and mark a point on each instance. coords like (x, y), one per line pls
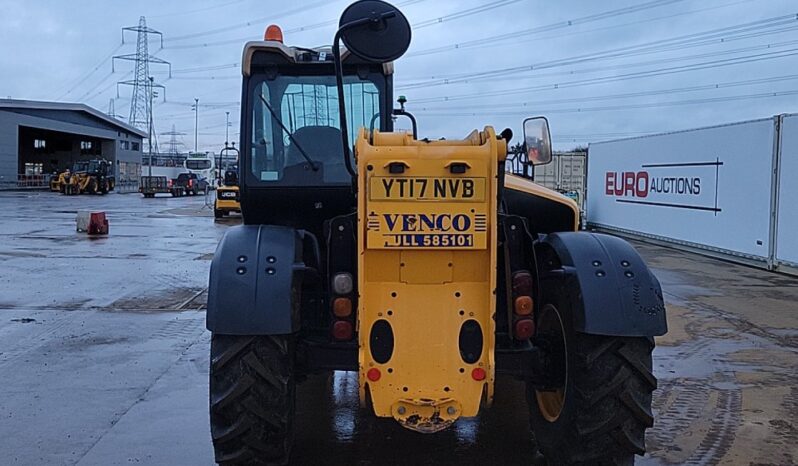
(709, 187)
(686, 185)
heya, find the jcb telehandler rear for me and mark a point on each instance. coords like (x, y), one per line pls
(424, 266)
(88, 177)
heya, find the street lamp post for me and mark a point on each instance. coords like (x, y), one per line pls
(227, 128)
(149, 117)
(196, 121)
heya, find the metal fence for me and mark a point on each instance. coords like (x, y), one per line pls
(26, 182)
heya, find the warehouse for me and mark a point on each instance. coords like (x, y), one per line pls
(38, 139)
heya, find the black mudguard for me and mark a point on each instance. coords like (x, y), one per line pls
(613, 290)
(256, 281)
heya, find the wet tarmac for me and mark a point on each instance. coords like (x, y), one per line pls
(104, 355)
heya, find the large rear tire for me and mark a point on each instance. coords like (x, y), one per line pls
(252, 397)
(598, 412)
(91, 187)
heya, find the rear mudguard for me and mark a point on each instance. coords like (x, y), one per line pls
(612, 290)
(255, 281)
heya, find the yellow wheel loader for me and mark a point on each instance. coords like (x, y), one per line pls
(88, 177)
(429, 267)
(59, 180)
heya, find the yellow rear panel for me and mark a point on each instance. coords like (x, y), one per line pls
(427, 265)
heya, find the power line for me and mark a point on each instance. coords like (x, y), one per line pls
(91, 72)
(648, 93)
(422, 24)
(560, 35)
(546, 28)
(764, 95)
(617, 67)
(492, 6)
(711, 37)
(622, 77)
(197, 10)
(252, 22)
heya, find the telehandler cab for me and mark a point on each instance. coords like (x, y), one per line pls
(424, 266)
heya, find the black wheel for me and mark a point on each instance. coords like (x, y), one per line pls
(218, 213)
(104, 190)
(597, 406)
(91, 188)
(252, 395)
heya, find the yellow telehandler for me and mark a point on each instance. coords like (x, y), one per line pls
(429, 267)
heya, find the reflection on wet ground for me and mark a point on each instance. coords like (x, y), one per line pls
(333, 430)
(104, 355)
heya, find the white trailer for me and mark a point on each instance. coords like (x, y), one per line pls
(715, 189)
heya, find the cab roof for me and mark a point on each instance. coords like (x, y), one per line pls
(297, 55)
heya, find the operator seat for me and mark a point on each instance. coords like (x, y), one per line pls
(322, 144)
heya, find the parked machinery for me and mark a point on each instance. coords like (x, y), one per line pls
(88, 177)
(227, 192)
(422, 265)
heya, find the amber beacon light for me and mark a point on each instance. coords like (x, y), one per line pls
(273, 32)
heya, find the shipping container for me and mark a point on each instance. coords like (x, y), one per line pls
(724, 189)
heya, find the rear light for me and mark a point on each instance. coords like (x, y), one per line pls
(342, 330)
(169, 183)
(522, 283)
(523, 305)
(524, 329)
(342, 307)
(343, 283)
(373, 374)
(478, 374)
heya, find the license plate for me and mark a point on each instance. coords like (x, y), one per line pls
(406, 188)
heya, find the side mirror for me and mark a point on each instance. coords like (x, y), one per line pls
(537, 140)
(375, 31)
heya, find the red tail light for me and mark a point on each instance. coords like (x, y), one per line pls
(522, 283)
(478, 374)
(524, 329)
(342, 330)
(373, 374)
(169, 183)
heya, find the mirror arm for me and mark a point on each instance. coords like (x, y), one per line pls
(339, 82)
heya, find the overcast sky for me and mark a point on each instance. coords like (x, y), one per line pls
(598, 69)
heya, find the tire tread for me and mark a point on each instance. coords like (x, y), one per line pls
(251, 398)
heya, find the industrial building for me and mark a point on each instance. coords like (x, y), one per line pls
(38, 139)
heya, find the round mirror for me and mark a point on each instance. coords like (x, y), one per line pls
(375, 31)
